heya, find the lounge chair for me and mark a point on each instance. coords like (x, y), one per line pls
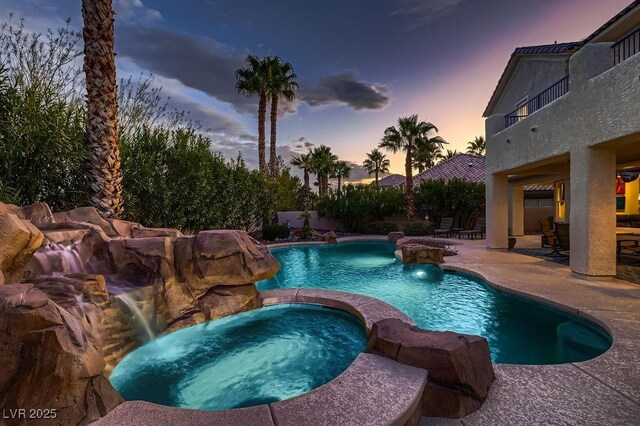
(548, 237)
(446, 223)
(562, 240)
(478, 230)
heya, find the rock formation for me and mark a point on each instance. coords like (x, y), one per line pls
(48, 361)
(459, 366)
(417, 253)
(393, 237)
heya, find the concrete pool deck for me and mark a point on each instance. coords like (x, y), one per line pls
(604, 390)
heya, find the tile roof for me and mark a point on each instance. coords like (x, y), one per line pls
(537, 187)
(462, 166)
(391, 180)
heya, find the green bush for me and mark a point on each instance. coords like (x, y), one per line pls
(378, 228)
(457, 198)
(417, 229)
(357, 205)
(271, 232)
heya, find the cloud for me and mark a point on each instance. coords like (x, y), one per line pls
(198, 62)
(345, 89)
(422, 12)
(134, 11)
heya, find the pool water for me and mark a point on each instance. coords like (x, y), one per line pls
(519, 331)
(253, 358)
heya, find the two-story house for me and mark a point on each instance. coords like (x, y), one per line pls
(569, 115)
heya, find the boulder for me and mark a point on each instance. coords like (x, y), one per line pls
(221, 258)
(142, 232)
(39, 214)
(143, 261)
(330, 238)
(123, 228)
(393, 237)
(459, 365)
(48, 361)
(184, 310)
(82, 295)
(19, 239)
(88, 215)
(417, 253)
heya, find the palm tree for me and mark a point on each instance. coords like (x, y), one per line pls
(406, 137)
(477, 146)
(102, 107)
(449, 154)
(341, 170)
(427, 153)
(303, 161)
(323, 161)
(376, 163)
(282, 84)
(250, 81)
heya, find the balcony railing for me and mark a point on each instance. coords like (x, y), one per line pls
(627, 47)
(546, 97)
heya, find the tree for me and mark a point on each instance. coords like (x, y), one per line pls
(376, 163)
(281, 84)
(477, 146)
(409, 134)
(341, 170)
(304, 162)
(102, 107)
(250, 81)
(428, 153)
(449, 154)
(323, 161)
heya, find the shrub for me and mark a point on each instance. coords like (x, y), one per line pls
(417, 228)
(457, 198)
(357, 205)
(271, 232)
(378, 228)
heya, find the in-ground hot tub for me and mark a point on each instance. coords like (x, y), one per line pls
(257, 357)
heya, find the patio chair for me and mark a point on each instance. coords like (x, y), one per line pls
(548, 237)
(478, 230)
(446, 223)
(562, 240)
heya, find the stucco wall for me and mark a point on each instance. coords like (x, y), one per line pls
(531, 76)
(594, 111)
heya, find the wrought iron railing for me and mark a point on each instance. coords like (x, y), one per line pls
(627, 47)
(544, 98)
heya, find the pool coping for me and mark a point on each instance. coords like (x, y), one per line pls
(367, 381)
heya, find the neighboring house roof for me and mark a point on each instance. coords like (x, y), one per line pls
(462, 166)
(392, 180)
(557, 49)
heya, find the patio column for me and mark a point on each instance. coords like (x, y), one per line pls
(497, 211)
(593, 212)
(516, 210)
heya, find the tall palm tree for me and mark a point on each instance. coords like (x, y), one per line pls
(281, 84)
(303, 161)
(477, 146)
(250, 81)
(376, 163)
(341, 170)
(102, 107)
(406, 137)
(323, 161)
(449, 154)
(428, 152)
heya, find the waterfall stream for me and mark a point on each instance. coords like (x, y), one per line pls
(146, 332)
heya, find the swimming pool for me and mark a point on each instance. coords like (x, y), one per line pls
(257, 357)
(519, 331)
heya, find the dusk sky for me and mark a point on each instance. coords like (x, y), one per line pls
(360, 63)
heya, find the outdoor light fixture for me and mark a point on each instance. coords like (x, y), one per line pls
(628, 176)
(534, 129)
(508, 140)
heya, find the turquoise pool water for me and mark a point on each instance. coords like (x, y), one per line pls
(256, 357)
(519, 331)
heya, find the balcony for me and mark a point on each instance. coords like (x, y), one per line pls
(627, 47)
(544, 98)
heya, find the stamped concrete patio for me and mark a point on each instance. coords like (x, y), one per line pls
(604, 390)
